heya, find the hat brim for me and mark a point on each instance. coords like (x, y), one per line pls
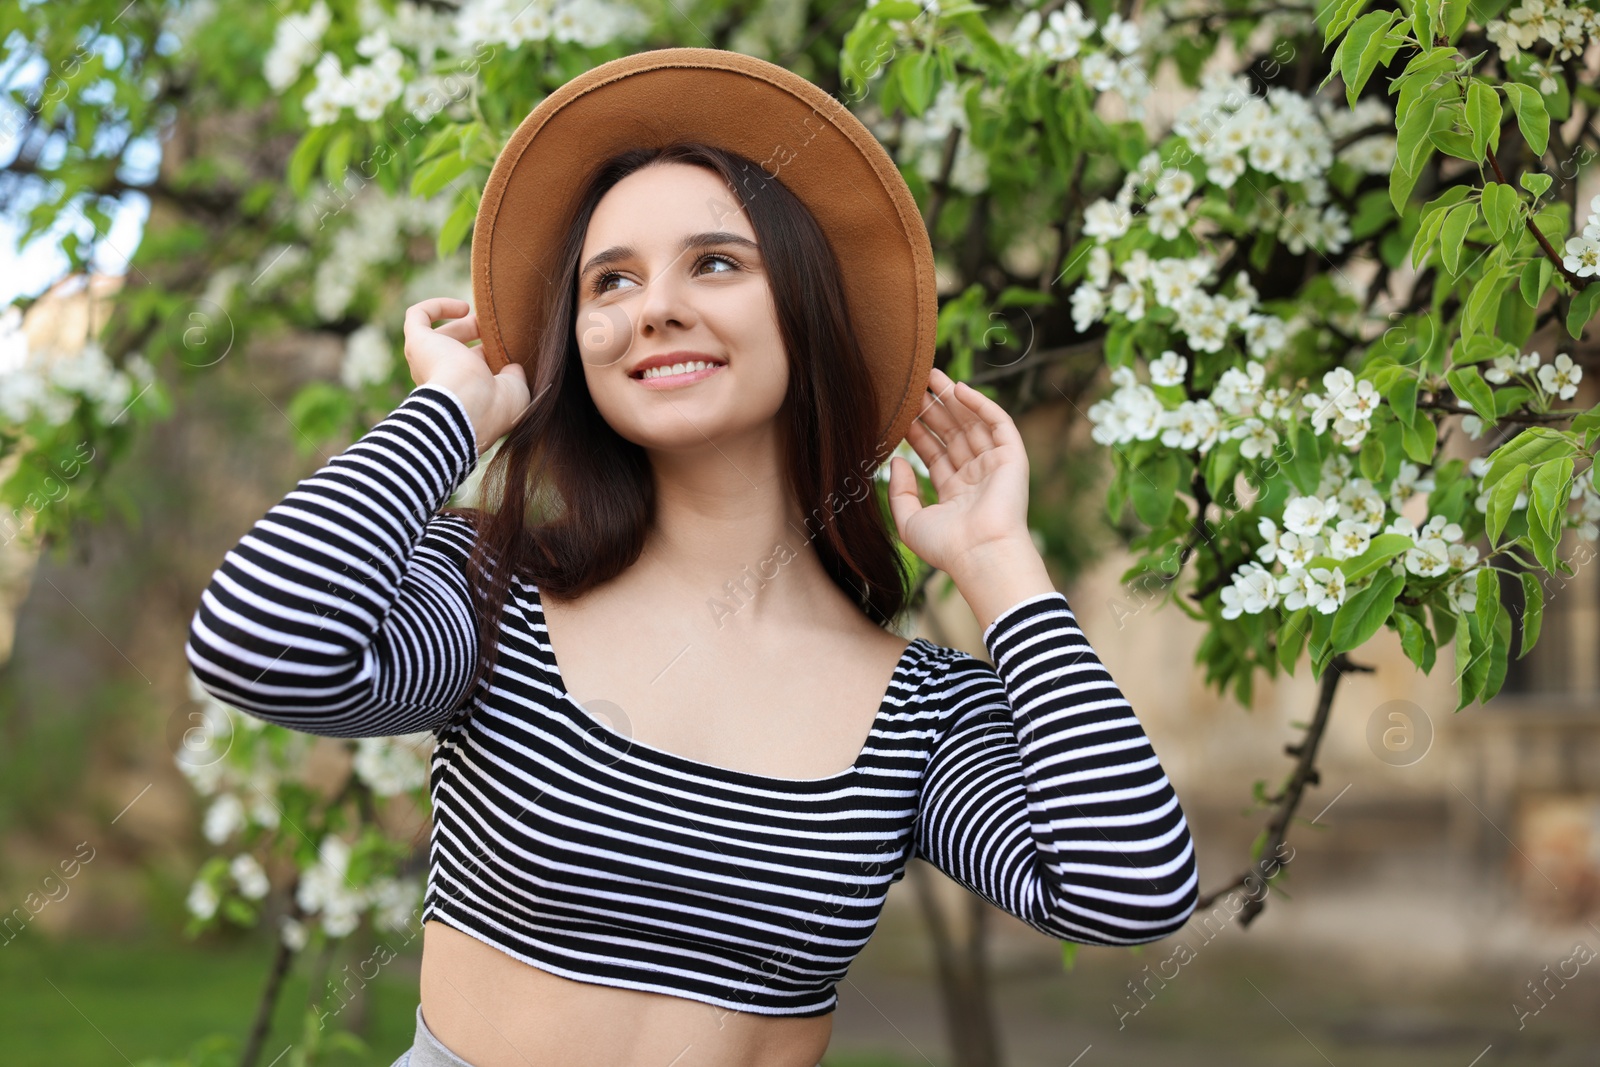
(792, 129)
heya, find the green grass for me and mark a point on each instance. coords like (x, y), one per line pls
(87, 1002)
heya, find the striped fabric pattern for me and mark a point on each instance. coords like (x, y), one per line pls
(562, 842)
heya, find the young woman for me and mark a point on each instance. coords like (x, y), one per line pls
(681, 756)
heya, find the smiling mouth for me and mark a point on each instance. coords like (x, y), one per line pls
(678, 373)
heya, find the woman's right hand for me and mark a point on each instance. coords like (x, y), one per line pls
(494, 401)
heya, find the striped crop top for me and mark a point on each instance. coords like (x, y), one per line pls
(345, 612)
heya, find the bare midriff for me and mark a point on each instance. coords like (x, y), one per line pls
(493, 1010)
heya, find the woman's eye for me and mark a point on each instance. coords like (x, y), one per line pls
(721, 259)
(598, 286)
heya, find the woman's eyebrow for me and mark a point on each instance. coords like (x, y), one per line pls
(692, 241)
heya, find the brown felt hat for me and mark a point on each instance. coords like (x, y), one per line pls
(789, 127)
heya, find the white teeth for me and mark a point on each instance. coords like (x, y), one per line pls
(678, 368)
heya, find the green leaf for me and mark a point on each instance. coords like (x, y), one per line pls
(1583, 308)
(1380, 550)
(1542, 543)
(457, 226)
(1432, 220)
(1467, 384)
(1340, 14)
(1402, 397)
(1363, 46)
(1532, 611)
(1321, 643)
(1415, 641)
(918, 80)
(1467, 648)
(1416, 121)
(1292, 638)
(1419, 439)
(1153, 487)
(336, 160)
(1549, 494)
(1588, 424)
(305, 158)
(1483, 116)
(1488, 589)
(1501, 500)
(1499, 207)
(903, 10)
(1499, 653)
(1483, 301)
(438, 173)
(1479, 349)
(1455, 17)
(1532, 118)
(1535, 182)
(1508, 399)
(1363, 614)
(1535, 279)
(1455, 143)
(1444, 623)
(1372, 459)
(1402, 180)
(1453, 234)
(1532, 446)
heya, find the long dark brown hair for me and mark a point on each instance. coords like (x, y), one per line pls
(568, 501)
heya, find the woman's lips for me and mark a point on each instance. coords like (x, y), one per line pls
(674, 381)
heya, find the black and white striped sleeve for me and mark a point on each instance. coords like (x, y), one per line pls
(344, 611)
(1045, 796)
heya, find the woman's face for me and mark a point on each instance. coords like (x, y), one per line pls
(652, 284)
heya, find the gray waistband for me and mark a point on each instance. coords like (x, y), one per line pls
(427, 1050)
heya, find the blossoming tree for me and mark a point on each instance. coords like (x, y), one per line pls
(1339, 297)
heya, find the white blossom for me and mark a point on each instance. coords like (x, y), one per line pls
(367, 358)
(1333, 588)
(1168, 369)
(1192, 425)
(1582, 256)
(1429, 558)
(294, 44)
(1252, 591)
(1462, 592)
(1360, 503)
(1300, 589)
(1106, 219)
(1349, 539)
(1257, 439)
(1098, 273)
(202, 900)
(1561, 377)
(223, 818)
(293, 933)
(1408, 483)
(1307, 514)
(1120, 33)
(393, 765)
(251, 879)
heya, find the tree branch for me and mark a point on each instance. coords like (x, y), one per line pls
(1528, 418)
(1538, 235)
(274, 987)
(1288, 799)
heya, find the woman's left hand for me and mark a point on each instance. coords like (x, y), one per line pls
(976, 461)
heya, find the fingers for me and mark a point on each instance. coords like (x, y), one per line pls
(996, 420)
(946, 411)
(422, 315)
(905, 500)
(932, 451)
(462, 329)
(442, 307)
